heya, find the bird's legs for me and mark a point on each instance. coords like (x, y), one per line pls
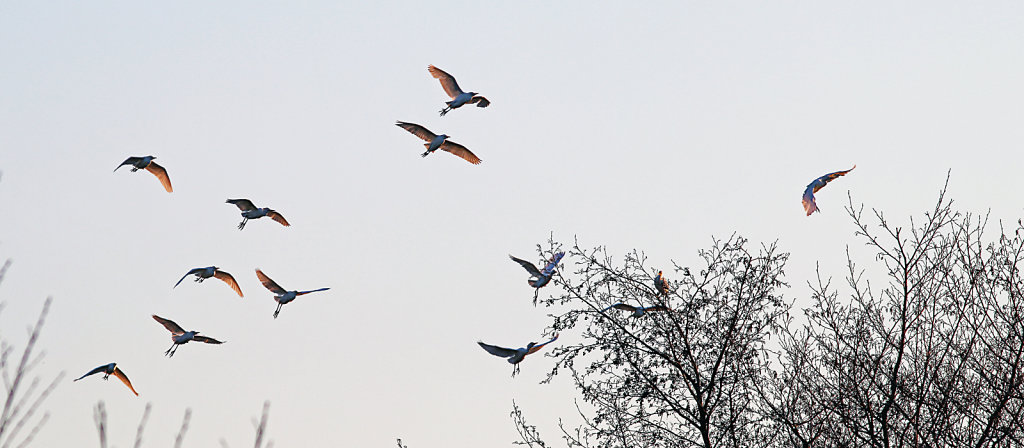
(241, 225)
(445, 110)
(134, 169)
(279, 305)
(536, 292)
(515, 369)
(170, 351)
(199, 279)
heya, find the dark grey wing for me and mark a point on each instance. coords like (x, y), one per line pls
(623, 307)
(417, 130)
(658, 308)
(269, 284)
(229, 279)
(207, 340)
(460, 151)
(480, 101)
(169, 325)
(527, 265)
(498, 351)
(186, 275)
(242, 204)
(161, 174)
(447, 81)
(99, 369)
(124, 379)
(129, 161)
(299, 293)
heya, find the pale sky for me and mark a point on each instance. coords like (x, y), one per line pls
(652, 126)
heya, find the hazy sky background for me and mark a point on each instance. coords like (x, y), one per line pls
(652, 125)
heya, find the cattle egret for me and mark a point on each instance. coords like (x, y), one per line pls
(516, 355)
(111, 369)
(451, 87)
(435, 142)
(180, 336)
(661, 284)
(250, 211)
(539, 277)
(280, 294)
(809, 205)
(212, 271)
(148, 164)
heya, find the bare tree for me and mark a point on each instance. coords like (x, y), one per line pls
(22, 400)
(679, 377)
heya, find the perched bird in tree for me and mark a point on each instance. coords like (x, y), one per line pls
(809, 205)
(435, 142)
(180, 336)
(147, 163)
(111, 369)
(250, 211)
(451, 87)
(637, 310)
(515, 355)
(539, 277)
(661, 284)
(212, 271)
(280, 294)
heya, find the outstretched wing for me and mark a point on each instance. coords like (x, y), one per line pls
(129, 161)
(658, 308)
(206, 339)
(273, 214)
(480, 101)
(810, 206)
(161, 174)
(124, 379)
(552, 264)
(460, 151)
(227, 278)
(193, 271)
(417, 130)
(169, 325)
(539, 346)
(299, 293)
(527, 265)
(497, 351)
(447, 81)
(242, 204)
(269, 284)
(94, 371)
(621, 306)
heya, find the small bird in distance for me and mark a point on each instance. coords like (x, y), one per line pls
(637, 311)
(180, 336)
(147, 163)
(435, 142)
(810, 206)
(539, 277)
(281, 295)
(515, 355)
(111, 369)
(250, 211)
(459, 98)
(661, 284)
(212, 271)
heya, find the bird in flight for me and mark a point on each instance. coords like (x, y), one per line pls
(637, 310)
(539, 277)
(280, 294)
(661, 284)
(459, 98)
(250, 211)
(809, 205)
(515, 355)
(147, 163)
(435, 142)
(111, 369)
(180, 336)
(212, 271)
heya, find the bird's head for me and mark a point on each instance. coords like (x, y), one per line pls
(444, 135)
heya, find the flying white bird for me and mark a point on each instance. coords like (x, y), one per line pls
(451, 87)
(180, 336)
(111, 369)
(250, 211)
(539, 277)
(637, 310)
(212, 271)
(147, 163)
(515, 355)
(280, 294)
(810, 206)
(435, 142)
